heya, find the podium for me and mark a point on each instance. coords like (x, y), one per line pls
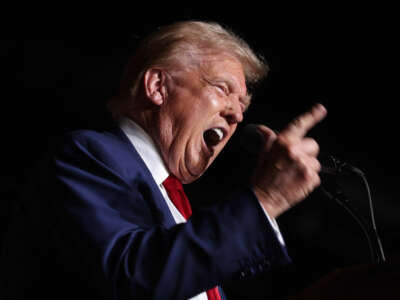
(359, 282)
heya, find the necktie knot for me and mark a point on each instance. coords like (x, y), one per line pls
(177, 195)
(172, 183)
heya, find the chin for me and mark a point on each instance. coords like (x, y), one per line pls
(195, 166)
(192, 173)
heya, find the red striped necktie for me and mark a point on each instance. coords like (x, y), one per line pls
(178, 197)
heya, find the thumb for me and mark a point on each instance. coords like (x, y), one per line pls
(268, 135)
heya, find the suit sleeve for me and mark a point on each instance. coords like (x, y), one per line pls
(103, 223)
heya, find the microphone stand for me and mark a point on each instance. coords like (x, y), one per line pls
(252, 141)
(336, 194)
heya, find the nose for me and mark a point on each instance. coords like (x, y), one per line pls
(233, 112)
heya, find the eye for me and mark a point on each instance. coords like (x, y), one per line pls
(222, 88)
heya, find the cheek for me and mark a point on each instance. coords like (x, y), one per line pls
(202, 109)
(216, 103)
(211, 101)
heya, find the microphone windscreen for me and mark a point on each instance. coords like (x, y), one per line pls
(251, 139)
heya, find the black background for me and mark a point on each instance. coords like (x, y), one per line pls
(59, 66)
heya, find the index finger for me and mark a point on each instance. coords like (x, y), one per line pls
(303, 123)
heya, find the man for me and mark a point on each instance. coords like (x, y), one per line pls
(108, 226)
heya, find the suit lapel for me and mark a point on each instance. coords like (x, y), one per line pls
(151, 191)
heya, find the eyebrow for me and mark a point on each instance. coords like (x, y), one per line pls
(246, 100)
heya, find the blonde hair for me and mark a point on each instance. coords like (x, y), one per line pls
(171, 44)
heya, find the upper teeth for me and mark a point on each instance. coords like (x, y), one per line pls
(219, 132)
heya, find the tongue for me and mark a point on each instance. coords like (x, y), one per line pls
(211, 138)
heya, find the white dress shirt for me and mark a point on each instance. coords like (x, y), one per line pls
(148, 151)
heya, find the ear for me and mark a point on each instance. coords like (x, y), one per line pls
(155, 85)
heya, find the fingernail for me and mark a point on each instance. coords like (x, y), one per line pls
(320, 107)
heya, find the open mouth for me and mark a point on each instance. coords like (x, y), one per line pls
(213, 137)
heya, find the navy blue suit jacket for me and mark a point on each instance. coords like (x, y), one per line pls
(99, 228)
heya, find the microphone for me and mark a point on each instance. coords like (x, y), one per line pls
(251, 140)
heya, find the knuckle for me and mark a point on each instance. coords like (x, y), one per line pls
(316, 181)
(292, 154)
(297, 122)
(318, 166)
(315, 164)
(309, 175)
(288, 149)
(281, 141)
(304, 172)
(314, 144)
(311, 144)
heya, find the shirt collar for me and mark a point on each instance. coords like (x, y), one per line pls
(146, 148)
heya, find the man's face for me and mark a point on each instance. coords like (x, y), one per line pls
(201, 112)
